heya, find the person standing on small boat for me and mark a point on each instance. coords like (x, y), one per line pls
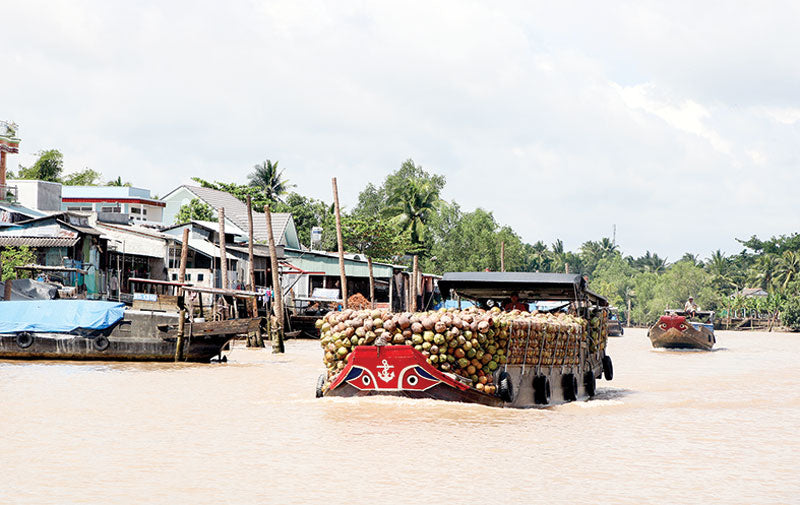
(690, 307)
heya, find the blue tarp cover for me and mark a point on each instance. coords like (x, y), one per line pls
(58, 315)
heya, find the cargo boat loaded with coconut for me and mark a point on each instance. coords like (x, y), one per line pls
(517, 357)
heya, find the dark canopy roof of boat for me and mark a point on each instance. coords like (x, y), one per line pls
(531, 286)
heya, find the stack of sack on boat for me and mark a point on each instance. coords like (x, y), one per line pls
(471, 343)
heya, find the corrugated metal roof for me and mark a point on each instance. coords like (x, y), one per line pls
(6, 241)
(236, 211)
(329, 264)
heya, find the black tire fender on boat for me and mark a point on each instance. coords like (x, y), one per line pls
(320, 385)
(504, 388)
(541, 389)
(24, 340)
(590, 383)
(608, 368)
(101, 343)
(570, 386)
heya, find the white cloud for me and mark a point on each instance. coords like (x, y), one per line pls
(562, 119)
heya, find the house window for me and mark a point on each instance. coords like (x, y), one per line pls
(144, 211)
(110, 209)
(136, 210)
(200, 277)
(188, 277)
(174, 277)
(79, 208)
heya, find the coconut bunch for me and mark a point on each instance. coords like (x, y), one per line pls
(598, 329)
(546, 339)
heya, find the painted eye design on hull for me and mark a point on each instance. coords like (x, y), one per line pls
(365, 380)
(682, 326)
(412, 380)
(663, 326)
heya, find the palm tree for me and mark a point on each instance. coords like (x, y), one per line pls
(607, 247)
(762, 274)
(788, 268)
(651, 263)
(411, 207)
(117, 182)
(268, 178)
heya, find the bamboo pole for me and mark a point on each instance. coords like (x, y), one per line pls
(182, 278)
(223, 260)
(256, 341)
(277, 334)
(414, 284)
(372, 284)
(340, 240)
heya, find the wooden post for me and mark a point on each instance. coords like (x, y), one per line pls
(223, 260)
(182, 278)
(7, 290)
(628, 318)
(372, 284)
(414, 283)
(256, 340)
(342, 277)
(277, 339)
(391, 290)
(566, 268)
(503, 256)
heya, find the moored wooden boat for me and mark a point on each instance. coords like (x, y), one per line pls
(674, 331)
(136, 336)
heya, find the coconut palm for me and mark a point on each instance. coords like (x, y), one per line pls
(788, 268)
(410, 208)
(268, 178)
(651, 263)
(762, 274)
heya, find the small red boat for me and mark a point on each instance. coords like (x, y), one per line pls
(553, 368)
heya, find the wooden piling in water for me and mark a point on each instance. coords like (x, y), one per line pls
(181, 279)
(277, 339)
(256, 340)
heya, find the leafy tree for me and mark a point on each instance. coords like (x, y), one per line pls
(86, 177)
(269, 180)
(12, 257)
(374, 200)
(307, 213)
(373, 238)
(614, 279)
(195, 210)
(47, 168)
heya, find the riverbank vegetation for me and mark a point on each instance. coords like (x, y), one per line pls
(406, 215)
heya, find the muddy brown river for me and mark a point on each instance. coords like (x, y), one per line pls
(672, 427)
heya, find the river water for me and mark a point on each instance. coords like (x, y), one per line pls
(672, 427)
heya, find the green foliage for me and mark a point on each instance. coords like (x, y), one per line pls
(269, 180)
(372, 237)
(118, 182)
(12, 257)
(614, 279)
(373, 201)
(47, 168)
(790, 314)
(307, 213)
(86, 177)
(195, 210)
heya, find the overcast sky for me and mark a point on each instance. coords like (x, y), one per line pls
(677, 121)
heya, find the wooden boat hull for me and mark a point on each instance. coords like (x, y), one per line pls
(400, 370)
(139, 336)
(674, 332)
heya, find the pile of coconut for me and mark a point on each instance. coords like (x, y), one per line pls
(471, 343)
